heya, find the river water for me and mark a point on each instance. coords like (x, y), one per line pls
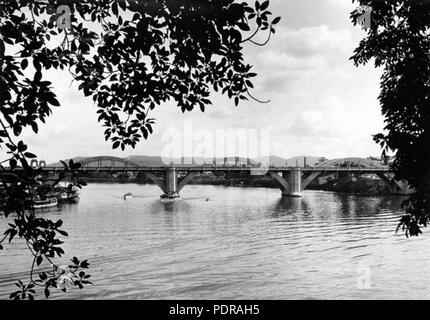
(234, 243)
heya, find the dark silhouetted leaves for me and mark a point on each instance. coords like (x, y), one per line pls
(402, 51)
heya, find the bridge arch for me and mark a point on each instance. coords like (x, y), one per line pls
(352, 163)
(360, 163)
(106, 161)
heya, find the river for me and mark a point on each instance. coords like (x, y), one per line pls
(234, 243)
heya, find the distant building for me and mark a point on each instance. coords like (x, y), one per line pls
(37, 164)
(229, 161)
(243, 162)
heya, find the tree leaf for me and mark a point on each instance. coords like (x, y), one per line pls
(276, 20)
(264, 5)
(24, 64)
(30, 155)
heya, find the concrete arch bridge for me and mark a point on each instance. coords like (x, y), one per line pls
(292, 181)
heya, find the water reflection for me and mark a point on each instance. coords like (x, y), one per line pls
(289, 205)
(70, 207)
(174, 207)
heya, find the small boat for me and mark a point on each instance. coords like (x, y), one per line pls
(47, 203)
(69, 194)
(128, 196)
(68, 197)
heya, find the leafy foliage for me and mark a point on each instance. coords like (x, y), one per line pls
(164, 50)
(398, 41)
(129, 56)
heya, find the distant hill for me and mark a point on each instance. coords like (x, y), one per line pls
(300, 161)
(153, 161)
(273, 161)
(158, 161)
(146, 161)
(276, 161)
(59, 164)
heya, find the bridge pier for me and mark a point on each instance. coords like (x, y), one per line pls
(295, 182)
(290, 182)
(171, 191)
(170, 183)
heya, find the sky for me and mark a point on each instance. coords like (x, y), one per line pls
(320, 103)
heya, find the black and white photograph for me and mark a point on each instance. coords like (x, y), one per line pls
(222, 150)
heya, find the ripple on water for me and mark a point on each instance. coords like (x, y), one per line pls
(242, 243)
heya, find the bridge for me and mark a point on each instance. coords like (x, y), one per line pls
(292, 181)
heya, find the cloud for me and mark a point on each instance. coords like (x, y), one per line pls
(318, 40)
(343, 4)
(326, 118)
(297, 55)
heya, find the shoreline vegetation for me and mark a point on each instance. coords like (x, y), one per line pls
(349, 184)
